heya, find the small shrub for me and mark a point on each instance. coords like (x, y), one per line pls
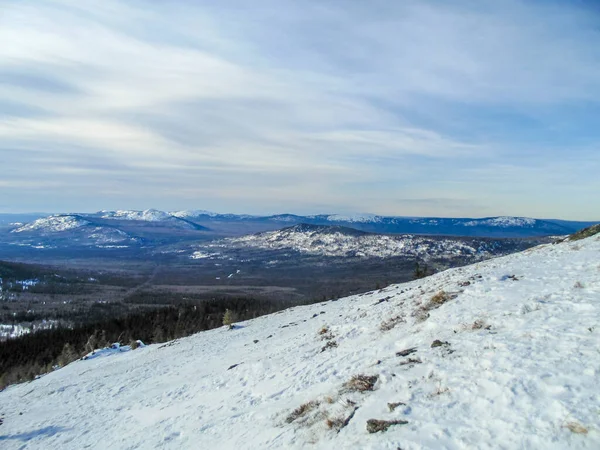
(229, 318)
(361, 383)
(324, 330)
(134, 345)
(68, 355)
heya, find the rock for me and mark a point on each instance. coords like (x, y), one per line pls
(438, 343)
(374, 425)
(406, 352)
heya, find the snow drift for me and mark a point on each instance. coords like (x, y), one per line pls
(502, 354)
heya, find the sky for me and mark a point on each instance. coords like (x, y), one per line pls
(410, 108)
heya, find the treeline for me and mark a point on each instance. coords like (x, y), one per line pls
(24, 358)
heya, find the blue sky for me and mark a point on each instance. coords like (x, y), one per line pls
(417, 108)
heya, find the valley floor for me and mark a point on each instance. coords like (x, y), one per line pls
(515, 365)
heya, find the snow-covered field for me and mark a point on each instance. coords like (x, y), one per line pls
(516, 365)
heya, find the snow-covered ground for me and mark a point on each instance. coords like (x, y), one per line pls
(516, 365)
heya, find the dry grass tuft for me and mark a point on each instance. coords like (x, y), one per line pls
(422, 313)
(391, 323)
(576, 428)
(301, 411)
(334, 423)
(440, 298)
(361, 383)
(324, 330)
(375, 426)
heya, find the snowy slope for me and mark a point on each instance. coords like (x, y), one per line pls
(53, 224)
(191, 213)
(148, 215)
(346, 242)
(518, 368)
(502, 221)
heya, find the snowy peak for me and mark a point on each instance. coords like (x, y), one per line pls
(53, 224)
(354, 218)
(148, 215)
(192, 213)
(502, 221)
(315, 230)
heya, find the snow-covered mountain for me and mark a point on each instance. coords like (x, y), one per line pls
(186, 214)
(70, 230)
(346, 242)
(238, 224)
(501, 354)
(148, 215)
(502, 226)
(53, 224)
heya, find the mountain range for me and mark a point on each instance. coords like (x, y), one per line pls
(236, 225)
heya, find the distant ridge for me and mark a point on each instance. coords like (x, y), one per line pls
(238, 224)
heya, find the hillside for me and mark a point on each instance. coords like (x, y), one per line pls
(500, 354)
(338, 241)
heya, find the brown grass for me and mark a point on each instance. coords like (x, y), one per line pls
(391, 323)
(576, 428)
(361, 383)
(301, 411)
(440, 298)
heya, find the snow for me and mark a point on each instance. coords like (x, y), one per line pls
(191, 213)
(203, 255)
(358, 218)
(148, 215)
(517, 367)
(503, 222)
(104, 235)
(53, 224)
(340, 244)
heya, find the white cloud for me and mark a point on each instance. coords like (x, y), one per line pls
(279, 101)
